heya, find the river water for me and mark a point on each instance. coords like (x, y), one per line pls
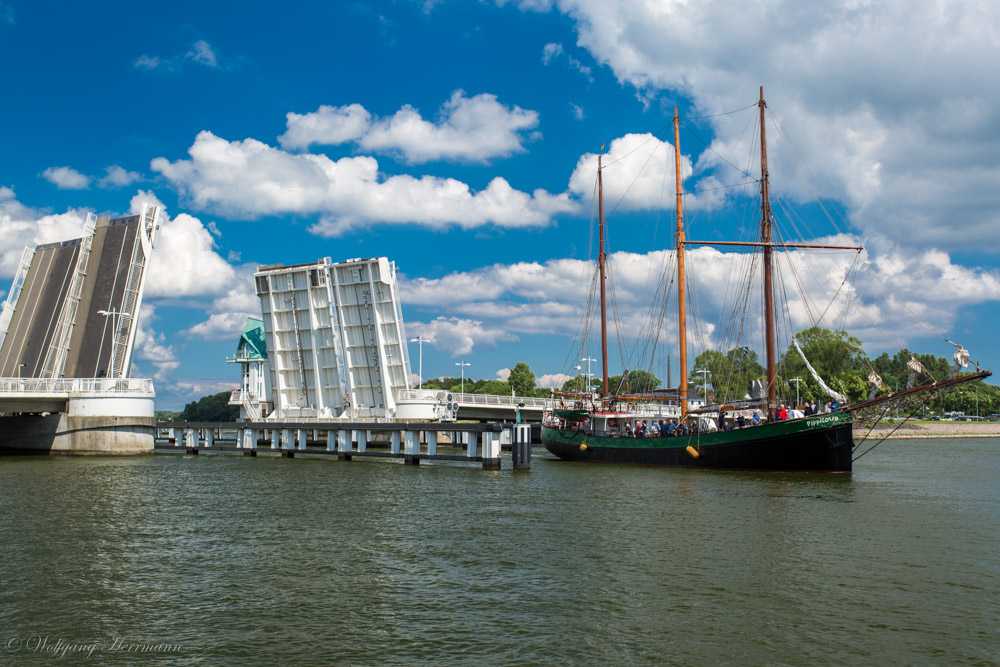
(224, 560)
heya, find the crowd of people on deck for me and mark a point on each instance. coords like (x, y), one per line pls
(661, 428)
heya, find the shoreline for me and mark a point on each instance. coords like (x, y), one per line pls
(920, 430)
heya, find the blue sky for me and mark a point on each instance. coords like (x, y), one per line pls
(458, 138)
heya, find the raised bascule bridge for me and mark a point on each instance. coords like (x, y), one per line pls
(67, 333)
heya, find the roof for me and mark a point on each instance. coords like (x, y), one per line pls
(252, 339)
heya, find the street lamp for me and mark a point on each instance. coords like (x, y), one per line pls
(796, 381)
(588, 360)
(420, 340)
(463, 364)
(705, 374)
(115, 316)
(577, 368)
(19, 370)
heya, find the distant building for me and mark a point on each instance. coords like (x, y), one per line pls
(255, 388)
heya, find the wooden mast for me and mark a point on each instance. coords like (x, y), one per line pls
(681, 305)
(765, 237)
(601, 258)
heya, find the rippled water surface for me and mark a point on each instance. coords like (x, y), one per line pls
(227, 560)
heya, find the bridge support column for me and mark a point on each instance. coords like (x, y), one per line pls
(331, 440)
(394, 447)
(344, 445)
(362, 440)
(411, 446)
(302, 434)
(209, 436)
(471, 440)
(432, 442)
(491, 450)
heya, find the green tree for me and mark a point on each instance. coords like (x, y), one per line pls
(837, 358)
(731, 374)
(493, 387)
(635, 381)
(521, 379)
(577, 383)
(214, 408)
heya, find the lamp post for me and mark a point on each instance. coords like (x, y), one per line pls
(796, 381)
(578, 368)
(420, 340)
(115, 316)
(705, 374)
(588, 360)
(463, 364)
(20, 366)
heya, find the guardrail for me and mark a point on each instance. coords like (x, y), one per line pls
(501, 401)
(95, 386)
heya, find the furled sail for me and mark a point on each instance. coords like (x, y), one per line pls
(961, 359)
(874, 384)
(829, 392)
(916, 369)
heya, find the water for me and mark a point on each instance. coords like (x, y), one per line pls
(239, 561)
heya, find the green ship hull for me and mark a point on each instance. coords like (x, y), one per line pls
(820, 443)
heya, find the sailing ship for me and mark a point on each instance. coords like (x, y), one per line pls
(601, 427)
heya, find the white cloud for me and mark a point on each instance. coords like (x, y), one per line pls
(249, 178)
(552, 52)
(229, 312)
(118, 177)
(503, 374)
(468, 128)
(884, 99)
(184, 261)
(639, 175)
(553, 380)
(457, 336)
(66, 178)
(325, 126)
(549, 298)
(150, 346)
(147, 62)
(22, 226)
(202, 54)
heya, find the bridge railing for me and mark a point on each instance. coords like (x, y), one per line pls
(92, 386)
(500, 401)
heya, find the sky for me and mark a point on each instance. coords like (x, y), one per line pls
(459, 138)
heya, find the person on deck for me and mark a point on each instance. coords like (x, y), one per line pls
(782, 413)
(740, 421)
(628, 430)
(756, 418)
(671, 428)
(722, 419)
(833, 406)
